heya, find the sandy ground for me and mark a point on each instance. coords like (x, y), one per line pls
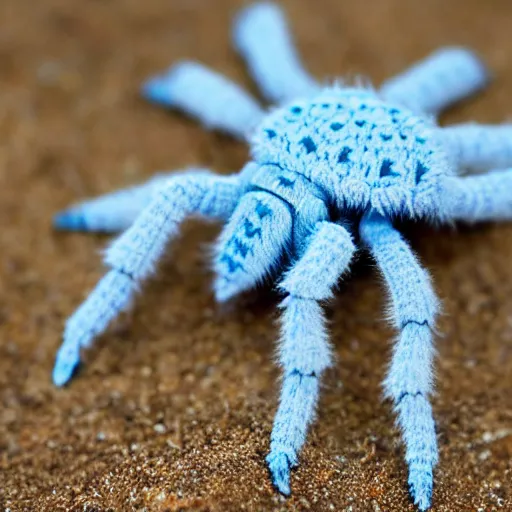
(174, 408)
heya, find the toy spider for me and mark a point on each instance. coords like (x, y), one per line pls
(325, 155)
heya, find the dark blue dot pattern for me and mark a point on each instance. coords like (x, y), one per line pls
(242, 243)
(354, 146)
(309, 145)
(421, 170)
(386, 169)
(344, 155)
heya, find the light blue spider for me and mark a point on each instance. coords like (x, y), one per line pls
(330, 166)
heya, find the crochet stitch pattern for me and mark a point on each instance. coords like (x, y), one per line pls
(332, 167)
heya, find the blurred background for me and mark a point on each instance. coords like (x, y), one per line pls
(173, 410)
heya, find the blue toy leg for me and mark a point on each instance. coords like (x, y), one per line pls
(409, 379)
(444, 77)
(484, 197)
(479, 148)
(304, 351)
(134, 255)
(112, 212)
(261, 36)
(206, 96)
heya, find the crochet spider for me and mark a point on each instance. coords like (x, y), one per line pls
(329, 164)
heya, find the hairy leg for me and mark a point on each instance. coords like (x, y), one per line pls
(433, 84)
(409, 379)
(304, 351)
(206, 96)
(478, 198)
(134, 255)
(113, 212)
(262, 38)
(477, 147)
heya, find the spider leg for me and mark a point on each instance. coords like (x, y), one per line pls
(304, 350)
(483, 197)
(444, 77)
(261, 36)
(110, 213)
(409, 379)
(206, 96)
(134, 255)
(478, 147)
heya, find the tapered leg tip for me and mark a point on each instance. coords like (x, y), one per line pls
(279, 468)
(156, 90)
(420, 488)
(66, 364)
(69, 220)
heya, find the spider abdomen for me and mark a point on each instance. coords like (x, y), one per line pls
(360, 150)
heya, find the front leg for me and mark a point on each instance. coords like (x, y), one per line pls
(135, 254)
(409, 379)
(304, 351)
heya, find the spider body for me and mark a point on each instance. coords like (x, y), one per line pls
(324, 155)
(359, 150)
